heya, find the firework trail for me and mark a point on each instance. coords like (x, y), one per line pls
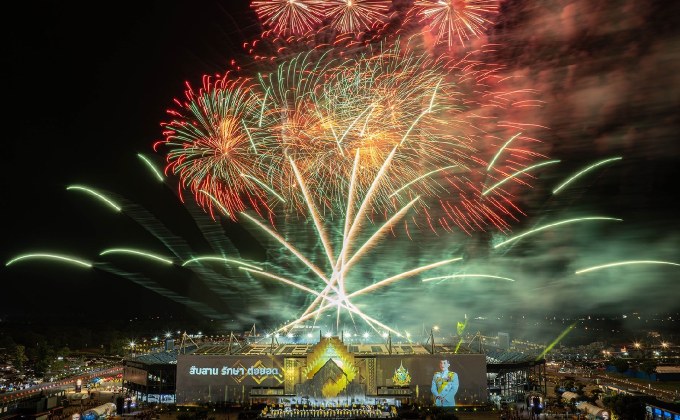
(49, 256)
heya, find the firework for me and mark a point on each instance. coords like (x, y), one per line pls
(360, 146)
(344, 153)
(137, 252)
(353, 16)
(151, 166)
(552, 225)
(240, 145)
(462, 276)
(289, 17)
(456, 21)
(213, 137)
(520, 172)
(56, 257)
(347, 29)
(620, 263)
(101, 197)
(221, 259)
(296, 135)
(583, 172)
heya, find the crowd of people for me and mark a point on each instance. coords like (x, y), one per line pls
(317, 411)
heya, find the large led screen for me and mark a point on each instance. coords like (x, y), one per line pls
(444, 380)
(203, 379)
(441, 380)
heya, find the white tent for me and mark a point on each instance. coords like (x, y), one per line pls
(105, 409)
(568, 396)
(77, 396)
(589, 408)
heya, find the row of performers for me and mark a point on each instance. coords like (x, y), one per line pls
(368, 411)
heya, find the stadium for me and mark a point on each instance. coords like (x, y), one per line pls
(331, 374)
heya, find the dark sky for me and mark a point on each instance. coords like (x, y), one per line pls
(86, 88)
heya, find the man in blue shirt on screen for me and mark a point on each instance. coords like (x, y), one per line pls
(444, 386)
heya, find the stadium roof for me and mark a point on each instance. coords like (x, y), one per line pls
(497, 356)
(668, 369)
(302, 349)
(167, 357)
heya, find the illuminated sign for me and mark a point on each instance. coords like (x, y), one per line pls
(234, 371)
(330, 372)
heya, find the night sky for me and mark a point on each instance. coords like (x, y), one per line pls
(86, 89)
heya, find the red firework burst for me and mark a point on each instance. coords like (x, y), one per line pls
(290, 17)
(356, 15)
(453, 21)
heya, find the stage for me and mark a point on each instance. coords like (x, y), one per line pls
(297, 411)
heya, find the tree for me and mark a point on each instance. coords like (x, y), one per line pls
(621, 365)
(117, 346)
(558, 391)
(6, 342)
(579, 387)
(648, 367)
(625, 407)
(595, 394)
(44, 357)
(57, 366)
(20, 356)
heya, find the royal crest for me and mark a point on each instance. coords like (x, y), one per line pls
(401, 376)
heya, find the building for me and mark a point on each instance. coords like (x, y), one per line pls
(151, 377)
(659, 410)
(668, 373)
(330, 371)
(514, 374)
